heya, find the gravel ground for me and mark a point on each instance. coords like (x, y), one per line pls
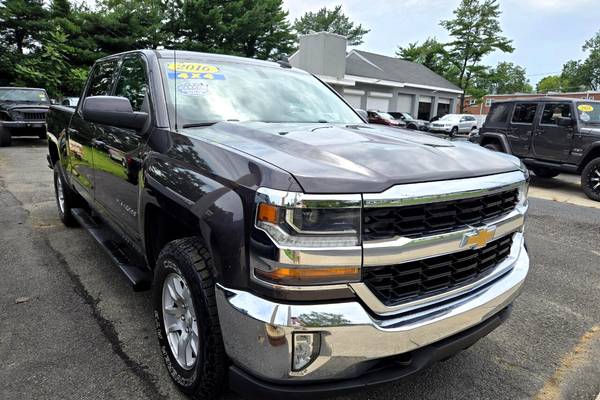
(73, 329)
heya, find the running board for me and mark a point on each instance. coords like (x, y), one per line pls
(122, 255)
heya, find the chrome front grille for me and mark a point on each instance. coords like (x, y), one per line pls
(435, 218)
(28, 116)
(394, 284)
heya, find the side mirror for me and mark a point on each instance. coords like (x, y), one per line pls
(363, 114)
(113, 111)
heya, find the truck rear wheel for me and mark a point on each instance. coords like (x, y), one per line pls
(590, 179)
(187, 322)
(544, 172)
(5, 138)
(66, 199)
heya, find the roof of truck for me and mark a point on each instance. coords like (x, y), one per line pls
(543, 99)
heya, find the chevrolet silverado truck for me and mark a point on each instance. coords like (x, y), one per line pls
(22, 113)
(550, 135)
(291, 248)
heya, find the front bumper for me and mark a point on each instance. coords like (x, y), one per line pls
(258, 332)
(22, 127)
(440, 128)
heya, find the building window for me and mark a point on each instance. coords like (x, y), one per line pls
(472, 102)
(488, 102)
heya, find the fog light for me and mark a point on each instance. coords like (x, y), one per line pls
(306, 349)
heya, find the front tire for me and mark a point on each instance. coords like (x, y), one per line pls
(5, 138)
(453, 132)
(590, 179)
(66, 199)
(187, 322)
(544, 172)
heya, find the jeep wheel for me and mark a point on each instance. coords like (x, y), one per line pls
(66, 199)
(187, 323)
(411, 126)
(5, 138)
(453, 131)
(544, 172)
(493, 147)
(590, 179)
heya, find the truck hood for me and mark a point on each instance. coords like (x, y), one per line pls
(327, 158)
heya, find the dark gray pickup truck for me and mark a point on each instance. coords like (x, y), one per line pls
(292, 249)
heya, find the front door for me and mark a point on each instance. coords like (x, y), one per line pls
(551, 141)
(521, 127)
(82, 134)
(117, 156)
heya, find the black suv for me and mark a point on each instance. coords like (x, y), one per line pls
(22, 113)
(550, 134)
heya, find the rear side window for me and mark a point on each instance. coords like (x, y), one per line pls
(498, 114)
(524, 113)
(102, 79)
(553, 111)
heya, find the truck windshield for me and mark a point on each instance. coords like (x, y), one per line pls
(208, 92)
(589, 112)
(23, 95)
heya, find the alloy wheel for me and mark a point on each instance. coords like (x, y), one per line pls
(179, 316)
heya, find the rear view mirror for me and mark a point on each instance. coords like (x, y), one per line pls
(363, 114)
(564, 121)
(113, 111)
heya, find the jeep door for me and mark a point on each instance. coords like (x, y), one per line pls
(118, 155)
(82, 134)
(551, 141)
(521, 127)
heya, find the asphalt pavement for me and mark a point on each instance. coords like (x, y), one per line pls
(72, 328)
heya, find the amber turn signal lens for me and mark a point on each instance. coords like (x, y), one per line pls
(267, 213)
(309, 275)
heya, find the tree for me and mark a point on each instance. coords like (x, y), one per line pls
(551, 83)
(431, 53)
(23, 22)
(590, 69)
(475, 32)
(508, 78)
(333, 21)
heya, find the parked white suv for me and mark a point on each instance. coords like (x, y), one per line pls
(453, 124)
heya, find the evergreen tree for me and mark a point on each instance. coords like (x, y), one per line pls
(334, 21)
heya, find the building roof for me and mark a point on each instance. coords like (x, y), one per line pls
(371, 65)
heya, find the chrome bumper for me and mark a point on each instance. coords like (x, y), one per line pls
(258, 332)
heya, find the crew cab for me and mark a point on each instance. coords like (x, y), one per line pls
(550, 134)
(290, 247)
(22, 113)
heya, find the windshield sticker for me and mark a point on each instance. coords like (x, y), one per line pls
(193, 71)
(585, 108)
(585, 117)
(42, 96)
(193, 89)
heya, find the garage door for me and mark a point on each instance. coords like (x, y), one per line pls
(378, 103)
(404, 103)
(353, 99)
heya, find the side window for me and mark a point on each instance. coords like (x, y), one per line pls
(498, 114)
(553, 111)
(102, 79)
(524, 113)
(133, 85)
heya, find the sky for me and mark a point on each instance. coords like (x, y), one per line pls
(545, 33)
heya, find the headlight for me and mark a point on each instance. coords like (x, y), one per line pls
(308, 225)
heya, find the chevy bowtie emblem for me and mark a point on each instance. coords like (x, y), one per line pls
(478, 238)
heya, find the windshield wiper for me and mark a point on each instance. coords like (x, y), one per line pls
(207, 123)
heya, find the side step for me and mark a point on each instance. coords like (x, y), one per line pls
(128, 261)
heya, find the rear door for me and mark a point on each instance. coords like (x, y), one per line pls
(117, 157)
(82, 134)
(521, 127)
(551, 141)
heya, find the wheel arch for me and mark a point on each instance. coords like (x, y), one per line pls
(492, 138)
(592, 152)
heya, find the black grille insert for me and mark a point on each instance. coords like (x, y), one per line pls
(433, 218)
(395, 284)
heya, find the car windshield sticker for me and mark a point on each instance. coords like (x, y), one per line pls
(585, 108)
(193, 71)
(42, 96)
(194, 89)
(585, 117)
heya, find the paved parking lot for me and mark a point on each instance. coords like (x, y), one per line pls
(71, 327)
